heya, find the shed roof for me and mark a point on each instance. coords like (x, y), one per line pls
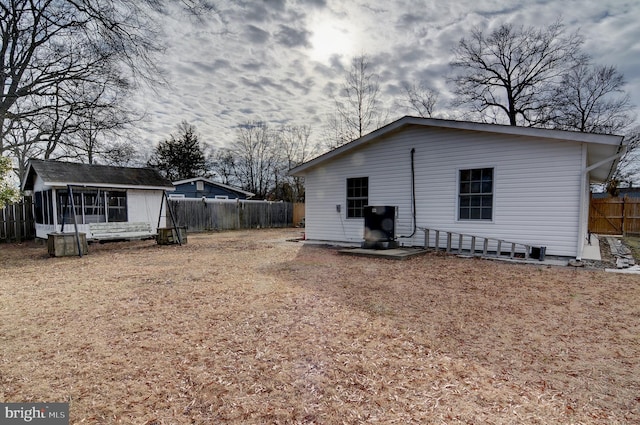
(603, 150)
(58, 173)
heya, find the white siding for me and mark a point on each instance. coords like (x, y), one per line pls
(144, 206)
(536, 187)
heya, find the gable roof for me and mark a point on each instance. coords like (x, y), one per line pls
(601, 147)
(58, 173)
(215, 183)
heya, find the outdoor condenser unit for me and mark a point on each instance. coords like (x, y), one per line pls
(379, 227)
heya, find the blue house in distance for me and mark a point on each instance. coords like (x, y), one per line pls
(201, 187)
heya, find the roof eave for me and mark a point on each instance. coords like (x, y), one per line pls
(605, 172)
(300, 170)
(108, 185)
(27, 174)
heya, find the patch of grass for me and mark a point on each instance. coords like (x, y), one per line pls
(633, 242)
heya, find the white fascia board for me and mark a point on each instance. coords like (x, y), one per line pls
(23, 183)
(461, 125)
(544, 133)
(107, 185)
(190, 180)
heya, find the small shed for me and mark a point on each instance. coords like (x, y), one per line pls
(201, 187)
(110, 202)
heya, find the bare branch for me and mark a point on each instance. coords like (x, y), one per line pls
(512, 69)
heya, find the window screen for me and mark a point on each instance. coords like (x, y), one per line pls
(357, 196)
(475, 196)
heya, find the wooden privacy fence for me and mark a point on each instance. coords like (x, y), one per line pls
(16, 221)
(614, 216)
(199, 215)
(298, 213)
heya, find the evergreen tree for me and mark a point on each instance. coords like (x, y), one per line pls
(180, 157)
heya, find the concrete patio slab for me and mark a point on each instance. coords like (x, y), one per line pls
(592, 251)
(392, 254)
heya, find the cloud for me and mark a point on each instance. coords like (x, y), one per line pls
(256, 35)
(314, 3)
(409, 19)
(292, 37)
(253, 65)
(259, 64)
(258, 11)
(264, 83)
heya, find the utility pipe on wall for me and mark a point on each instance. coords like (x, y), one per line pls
(413, 193)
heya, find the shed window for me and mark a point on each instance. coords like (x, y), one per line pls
(357, 196)
(43, 207)
(93, 206)
(475, 195)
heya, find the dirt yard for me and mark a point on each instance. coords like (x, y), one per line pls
(247, 327)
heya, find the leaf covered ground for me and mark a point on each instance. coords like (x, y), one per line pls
(249, 327)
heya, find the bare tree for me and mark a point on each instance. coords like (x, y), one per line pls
(101, 117)
(295, 147)
(358, 108)
(628, 170)
(256, 158)
(49, 46)
(121, 153)
(336, 133)
(17, 139)
(419, 99)
(223, 165)
(54, 50)
(513, 70)
(592, 99)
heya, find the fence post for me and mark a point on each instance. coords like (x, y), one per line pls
(238, 214)
(17, 221)
(624, 212)
(3, 221)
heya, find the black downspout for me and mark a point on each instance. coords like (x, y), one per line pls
(413, 193)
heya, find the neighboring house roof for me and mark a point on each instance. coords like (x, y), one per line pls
(602, 155)
(215, 183)
(57, 173)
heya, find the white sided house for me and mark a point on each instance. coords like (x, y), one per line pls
(518, 184)
(110, 202)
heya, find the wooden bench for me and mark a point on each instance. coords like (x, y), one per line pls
(123, 230)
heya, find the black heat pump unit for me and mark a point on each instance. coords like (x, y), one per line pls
(379, 227)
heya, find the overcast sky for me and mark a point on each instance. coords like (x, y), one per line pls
(283, 61)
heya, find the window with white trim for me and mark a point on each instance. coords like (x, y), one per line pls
(357, 196)
(475, 194)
